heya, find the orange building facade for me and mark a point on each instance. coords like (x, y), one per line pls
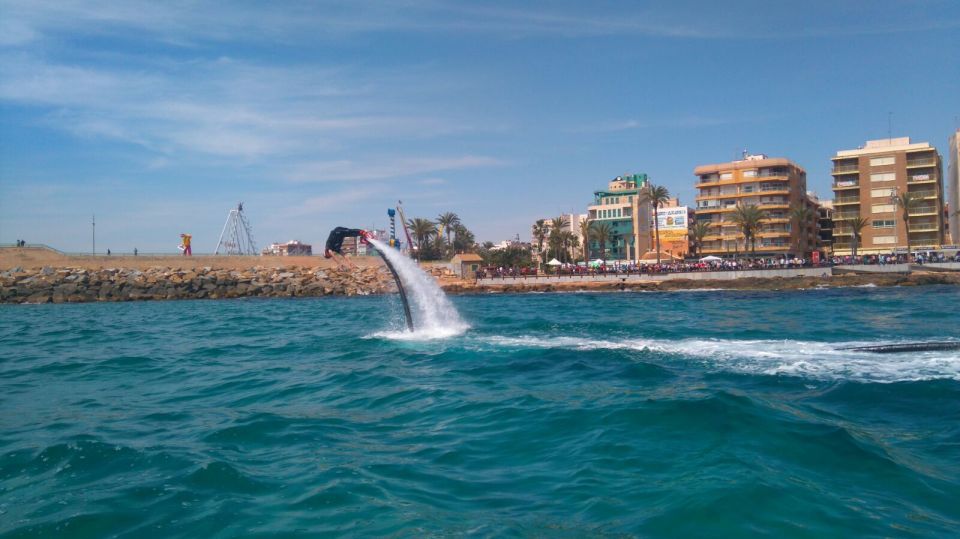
(776, 186)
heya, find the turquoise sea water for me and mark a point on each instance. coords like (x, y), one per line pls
(686, 414)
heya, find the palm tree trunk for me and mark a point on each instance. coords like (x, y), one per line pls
(906, 227)
(853, 244)
(656, 227)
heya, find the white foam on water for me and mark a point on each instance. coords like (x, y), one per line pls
(434, 316)
(818, 360)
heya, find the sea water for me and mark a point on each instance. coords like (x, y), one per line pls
(695, 414)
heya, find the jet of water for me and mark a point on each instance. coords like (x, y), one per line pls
(434, 316)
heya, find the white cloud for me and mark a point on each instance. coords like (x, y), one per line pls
(189, 24)
(432, 181)
(348, 170)
(221, 108)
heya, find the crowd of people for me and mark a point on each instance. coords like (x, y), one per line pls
(739, 264)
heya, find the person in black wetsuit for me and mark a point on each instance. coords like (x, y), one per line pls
(336, 237)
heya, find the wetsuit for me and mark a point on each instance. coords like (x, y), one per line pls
(336, 237)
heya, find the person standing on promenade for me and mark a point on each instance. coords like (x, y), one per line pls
(185, 244)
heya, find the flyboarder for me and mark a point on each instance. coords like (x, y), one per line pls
(335, 241)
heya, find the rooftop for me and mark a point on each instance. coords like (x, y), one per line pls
(743, 164)
(886, 145)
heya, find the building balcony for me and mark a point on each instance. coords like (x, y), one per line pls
(846, 200)
(846, 184)
(845, 215)
(924, 194)
(922, 178)
(845, 169)
(916, 229)
(923, 210)
(921, 162)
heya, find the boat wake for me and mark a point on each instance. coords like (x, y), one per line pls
(818, 360)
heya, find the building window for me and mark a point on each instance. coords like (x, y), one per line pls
(884, 240)
(726, 176)
(882, 193)
(883, 223)
(880, 161)
(749, 173)
(882, 208)
(883, 177)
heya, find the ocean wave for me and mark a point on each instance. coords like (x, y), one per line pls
(811, 359)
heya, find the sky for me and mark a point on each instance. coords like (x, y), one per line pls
(159, 117)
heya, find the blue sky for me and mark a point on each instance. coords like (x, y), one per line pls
(159, 116)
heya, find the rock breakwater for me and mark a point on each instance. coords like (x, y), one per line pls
(77, 284)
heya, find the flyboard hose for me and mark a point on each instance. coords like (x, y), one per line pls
(403, 293)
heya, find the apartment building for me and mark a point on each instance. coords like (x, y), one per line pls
(825, 226)
(625, 212)
(866, 184)
(953, 188)
(775, 185)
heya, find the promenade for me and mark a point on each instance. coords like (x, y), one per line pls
(723, 274)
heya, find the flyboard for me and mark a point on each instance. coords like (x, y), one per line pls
(335, 245)
(403, 293)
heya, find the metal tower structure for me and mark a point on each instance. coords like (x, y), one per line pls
(237, 236)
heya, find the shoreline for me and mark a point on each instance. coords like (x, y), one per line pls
(744, 283)
(40, 276)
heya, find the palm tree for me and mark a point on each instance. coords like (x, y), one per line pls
(585, 233)
(540, 231)
(907, 201)
(448, 221)
(801, 213)
(856, 226)
(423, 230)
(657, 196)
(700, 230)
(572, 244)
(748, 219)
(600, 232)
(557, 224)
(463, 239)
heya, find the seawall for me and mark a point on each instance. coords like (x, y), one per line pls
(79, 284)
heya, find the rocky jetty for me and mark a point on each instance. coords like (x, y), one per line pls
(77, 284)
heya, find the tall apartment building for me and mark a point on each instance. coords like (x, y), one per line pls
(866, 182)
(622, 207)
(775, 185)
(953, 188)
